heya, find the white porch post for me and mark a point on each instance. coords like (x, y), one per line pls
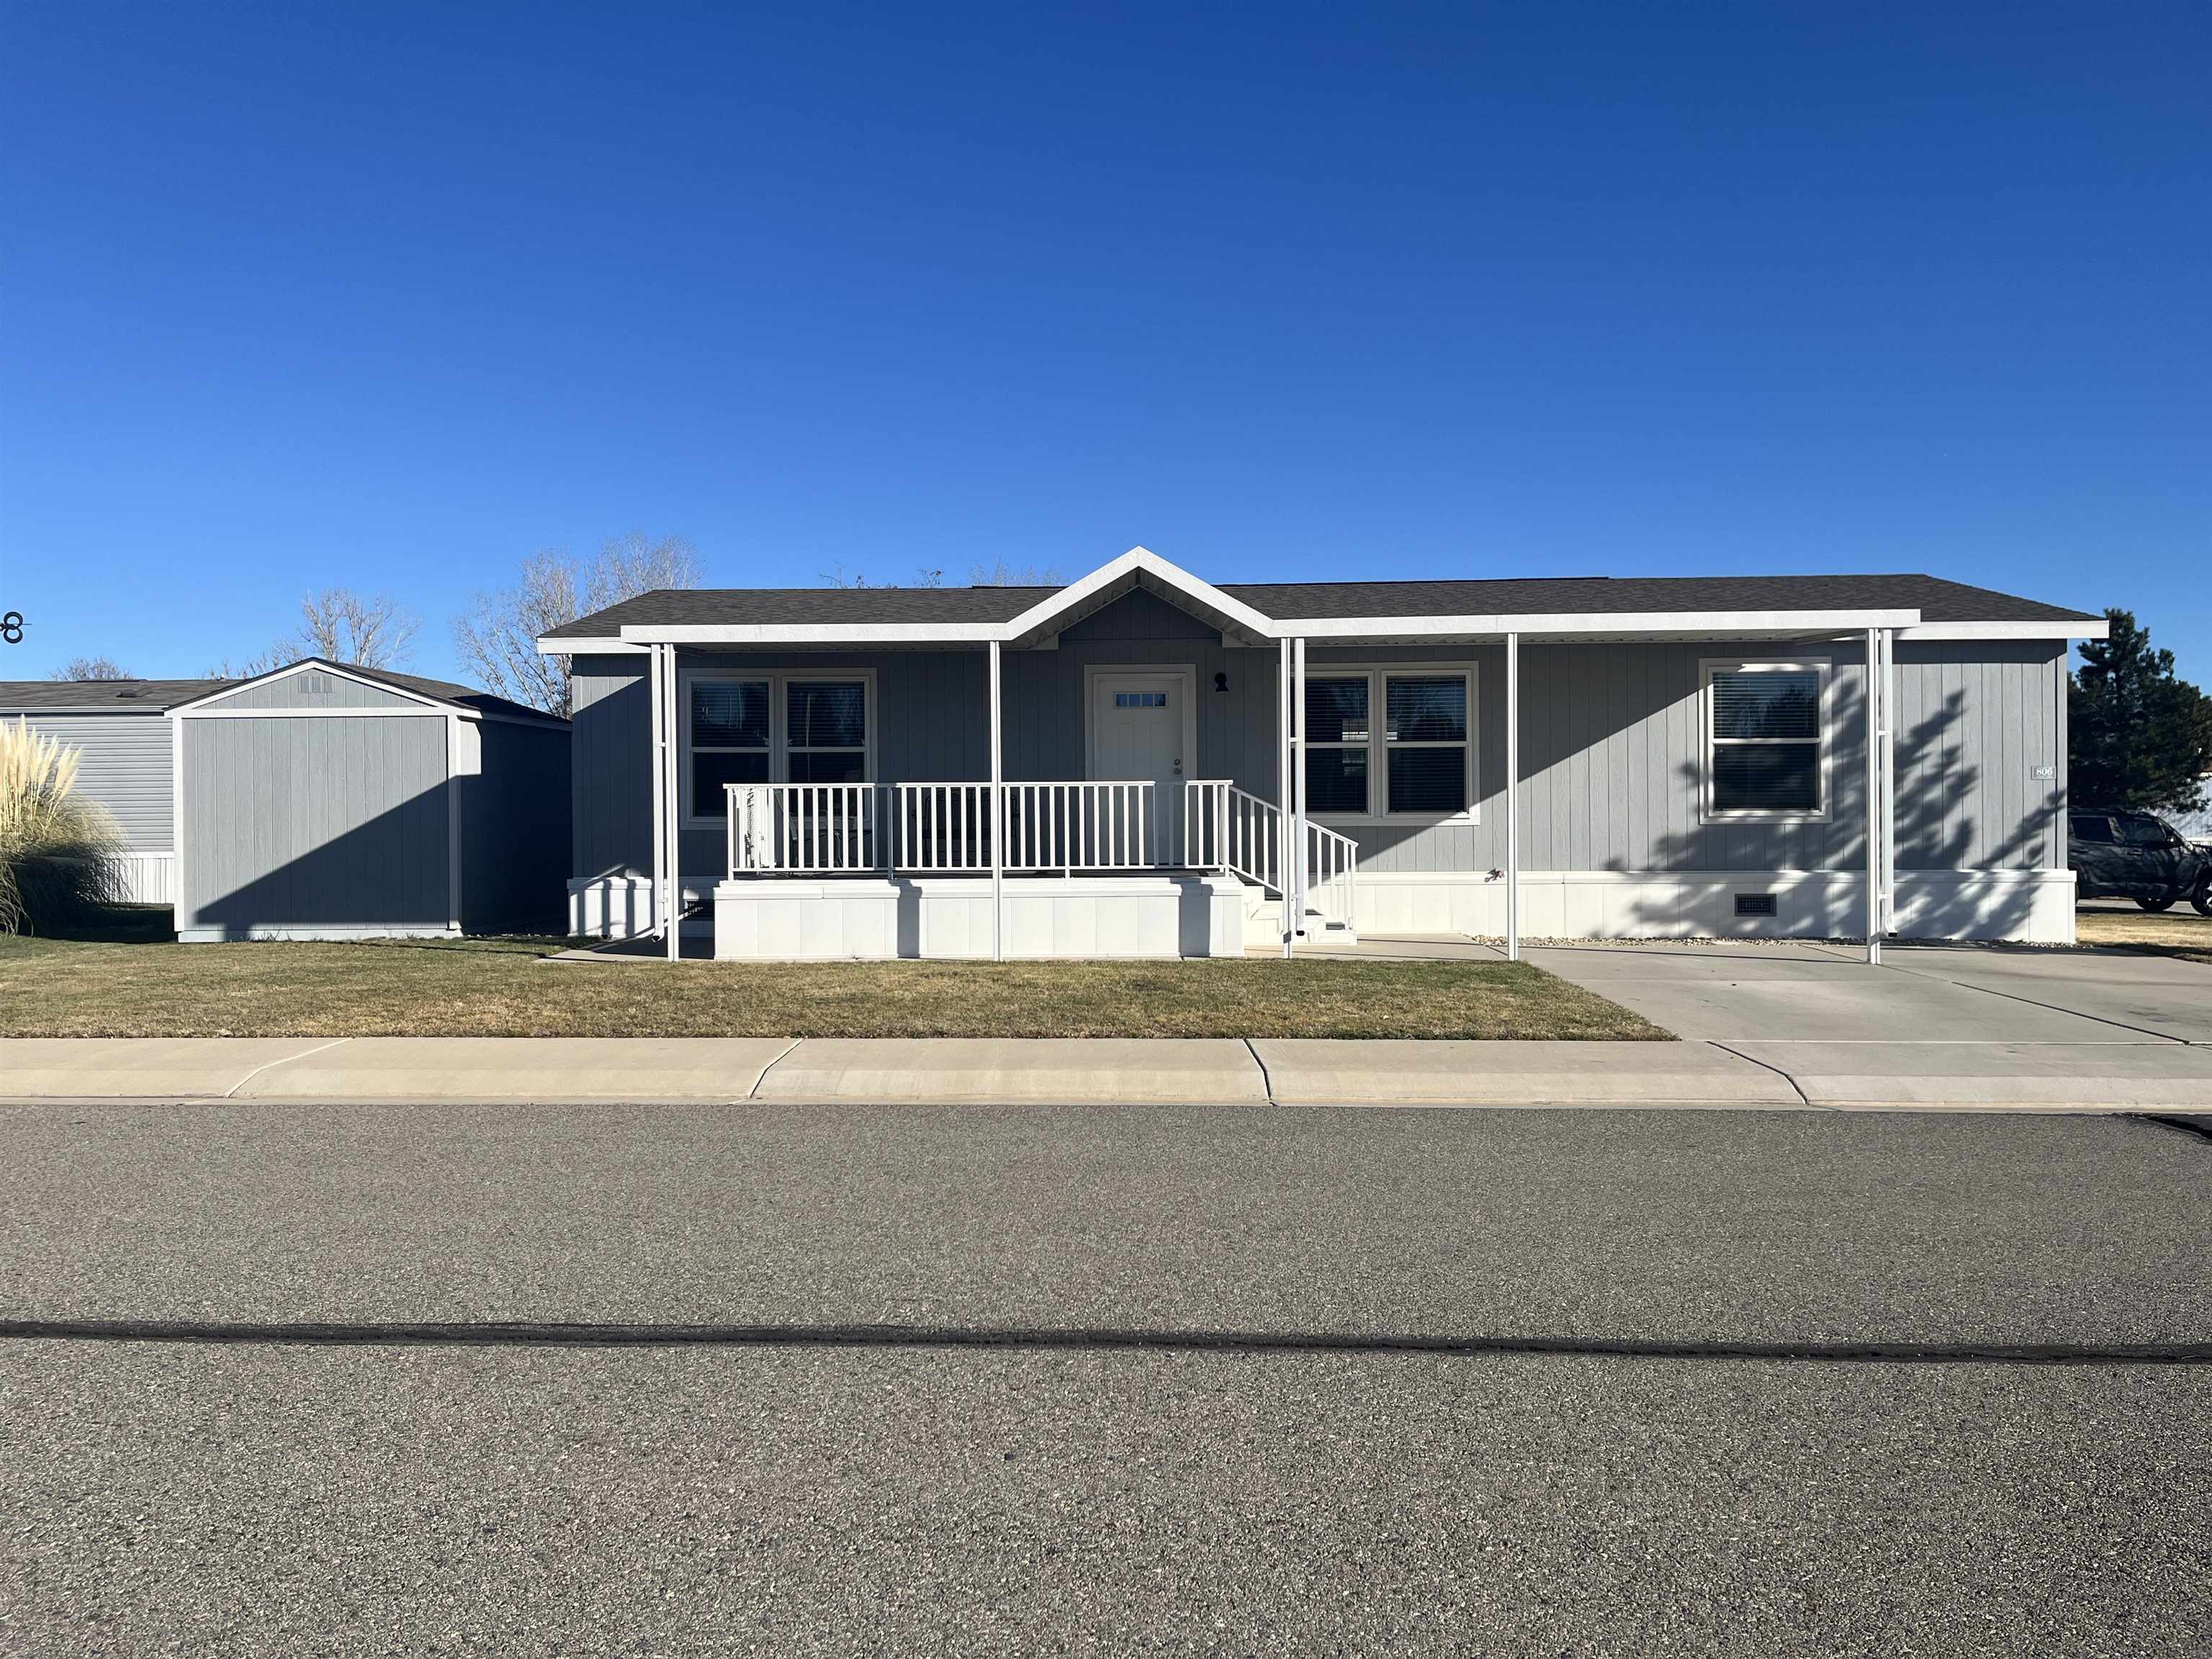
(1874, 723)
(1889, 781)
(1513, 798)
(1283, 753)
(673, 794)
(998, 815)
(1298, 781)
(659, 919)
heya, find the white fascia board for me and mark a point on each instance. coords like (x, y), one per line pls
(647, 633)
(2008, 631)
(1567, 625)
(320, 664)
(607, 647)
(1139, 562)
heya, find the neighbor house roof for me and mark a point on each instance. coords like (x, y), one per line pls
(1262, 610)
(101, 696)
(465, 699)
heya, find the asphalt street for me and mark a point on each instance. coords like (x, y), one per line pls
(832, 1485)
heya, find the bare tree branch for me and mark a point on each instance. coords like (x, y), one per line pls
(1002, 574)
(372, 632)
(92, 668)
(498, 637)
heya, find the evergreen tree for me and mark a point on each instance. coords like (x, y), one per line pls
(2135, 735)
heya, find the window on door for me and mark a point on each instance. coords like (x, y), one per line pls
(1419, 761)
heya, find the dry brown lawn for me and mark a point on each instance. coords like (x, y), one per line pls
(147, 986)
(2179, 932)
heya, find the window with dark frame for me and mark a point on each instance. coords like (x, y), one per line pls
(1420, 751)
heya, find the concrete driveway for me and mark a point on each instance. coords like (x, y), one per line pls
(1819, 1014)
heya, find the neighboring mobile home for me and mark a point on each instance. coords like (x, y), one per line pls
(1097, 769)
(121, 735)
(325, 800)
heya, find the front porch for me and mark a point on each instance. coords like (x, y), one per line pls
(1112, 868)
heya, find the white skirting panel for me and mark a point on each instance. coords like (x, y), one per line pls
(949, 917)
(328, 935)
(2029, 906)
(149, 878)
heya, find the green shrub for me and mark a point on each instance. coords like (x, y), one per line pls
(61, 855)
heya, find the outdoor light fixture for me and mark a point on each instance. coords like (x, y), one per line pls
(1221, 682)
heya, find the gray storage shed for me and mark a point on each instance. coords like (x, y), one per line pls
(330, 801)
(121, 733)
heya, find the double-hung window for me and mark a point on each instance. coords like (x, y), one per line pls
(1766, 740)
(729, 740)
(1416, 761)
(781, 728)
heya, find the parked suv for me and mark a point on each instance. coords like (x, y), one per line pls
(2120, 853)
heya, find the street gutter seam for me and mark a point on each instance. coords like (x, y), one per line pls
(760, 1081)
(520, 1334)
(1267, 1083)
(286, 1061)
(1777, 1070)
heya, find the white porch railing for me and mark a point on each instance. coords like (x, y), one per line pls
(945, 828)
(940, 827)
(1100, 825)
(804, 829)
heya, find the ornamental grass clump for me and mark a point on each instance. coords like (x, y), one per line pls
(61, 855)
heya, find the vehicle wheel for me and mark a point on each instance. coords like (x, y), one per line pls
(2201, 900)
(2156, 904)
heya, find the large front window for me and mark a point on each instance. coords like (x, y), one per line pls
(1417, 761)
(774, 728)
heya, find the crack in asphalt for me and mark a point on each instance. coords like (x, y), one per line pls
(535, 1333)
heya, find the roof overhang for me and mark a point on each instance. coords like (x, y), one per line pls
(2068, 628)
(1140, 570)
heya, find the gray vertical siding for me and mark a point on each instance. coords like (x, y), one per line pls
(305, 823)
(1612, 752)
(514, 833)
(124, 763)
(313, 688)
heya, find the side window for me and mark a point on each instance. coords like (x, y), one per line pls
(2142, 832)
(2087, 827)
(1764, 737)
(1337, 741)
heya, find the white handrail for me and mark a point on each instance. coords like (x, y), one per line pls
(1206, 820)
(1253, 834)
(803, 828)
(1102, 824)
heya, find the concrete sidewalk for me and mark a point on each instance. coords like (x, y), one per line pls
(2141, 1074)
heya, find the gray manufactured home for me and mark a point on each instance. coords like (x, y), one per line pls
(330, 801)
(1099, 770)
(120, 731)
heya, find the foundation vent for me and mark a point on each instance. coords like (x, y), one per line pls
(1757, 904)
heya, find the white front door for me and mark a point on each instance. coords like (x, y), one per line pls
(1142, 727)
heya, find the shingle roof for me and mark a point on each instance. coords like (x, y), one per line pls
(452, 691)
(101, 696)
(1937, 601)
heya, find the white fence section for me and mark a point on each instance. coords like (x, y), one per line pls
(1107, 825)
(804, 829)
(942, 828)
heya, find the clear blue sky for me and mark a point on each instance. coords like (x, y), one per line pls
(390, 296)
